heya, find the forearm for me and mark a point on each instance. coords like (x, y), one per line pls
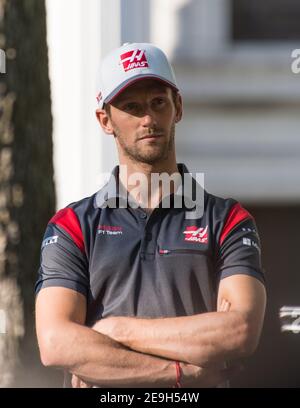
(199, 339)
(97, 359)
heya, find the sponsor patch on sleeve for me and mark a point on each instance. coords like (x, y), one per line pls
(250, 242)
(50, 240)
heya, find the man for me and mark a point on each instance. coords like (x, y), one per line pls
(133, 294)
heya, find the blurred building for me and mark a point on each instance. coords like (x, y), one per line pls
(241, 124)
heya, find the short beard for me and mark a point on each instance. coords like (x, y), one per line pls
(137, 156)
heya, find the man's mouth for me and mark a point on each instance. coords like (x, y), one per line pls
(152, 136)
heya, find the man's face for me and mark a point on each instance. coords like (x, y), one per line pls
(143, 120)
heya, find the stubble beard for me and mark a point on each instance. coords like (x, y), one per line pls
(148, 156)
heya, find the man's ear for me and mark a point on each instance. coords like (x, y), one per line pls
(178, 107)
(104, 120)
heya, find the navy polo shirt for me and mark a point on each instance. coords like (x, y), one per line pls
(128, 262)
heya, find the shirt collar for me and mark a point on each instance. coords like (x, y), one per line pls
(114, 195)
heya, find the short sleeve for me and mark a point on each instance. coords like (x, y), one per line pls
(239, 249)
(63, 261)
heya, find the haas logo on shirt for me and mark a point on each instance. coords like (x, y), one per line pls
(134, 59)
(196, 234)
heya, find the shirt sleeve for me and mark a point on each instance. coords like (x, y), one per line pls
(239, 249)
(63, 260)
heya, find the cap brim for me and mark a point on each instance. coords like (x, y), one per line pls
(133, 80)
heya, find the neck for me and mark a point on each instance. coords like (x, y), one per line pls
(136, 177)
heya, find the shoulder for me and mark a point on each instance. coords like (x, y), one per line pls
(225, 208)
(218, 205)
(225, 214)
(82, 210)
(76, 220)
(75, 212)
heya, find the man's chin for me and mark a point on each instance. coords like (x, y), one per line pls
(150, 159)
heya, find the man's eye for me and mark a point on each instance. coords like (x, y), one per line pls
(159, 102)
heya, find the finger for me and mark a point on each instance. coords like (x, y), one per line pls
(75, 381)
(221, 306)
(84, 385)
(226, 306)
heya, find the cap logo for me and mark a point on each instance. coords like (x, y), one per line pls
(134, 59)
(99, 97)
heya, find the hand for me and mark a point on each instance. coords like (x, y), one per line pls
(207, 377)
(224, 306)
(78, 383)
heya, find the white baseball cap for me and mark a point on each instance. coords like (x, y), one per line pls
(130, 63)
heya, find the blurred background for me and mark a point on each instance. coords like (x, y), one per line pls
(241, 125)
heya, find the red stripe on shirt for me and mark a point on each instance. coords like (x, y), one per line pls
(67, 219)
(235, 216)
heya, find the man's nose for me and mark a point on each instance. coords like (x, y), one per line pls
(148, 118)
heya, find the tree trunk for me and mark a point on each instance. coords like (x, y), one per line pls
(27, 198)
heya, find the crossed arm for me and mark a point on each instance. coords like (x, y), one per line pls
(200, 339)
(126, 351)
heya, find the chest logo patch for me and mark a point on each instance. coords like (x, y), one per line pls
(195, 234)
(109, 230)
